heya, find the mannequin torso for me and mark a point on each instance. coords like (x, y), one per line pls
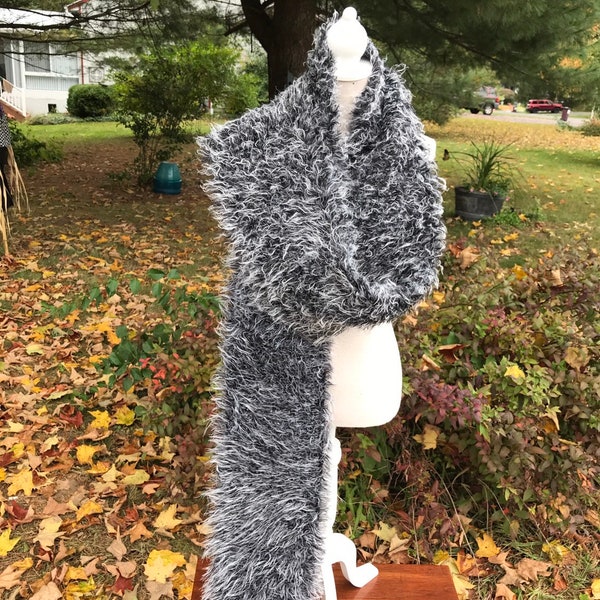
(366, 377)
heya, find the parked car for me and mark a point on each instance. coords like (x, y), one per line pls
(534, 106)
(485, 99)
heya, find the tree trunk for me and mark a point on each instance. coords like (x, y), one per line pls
(286, 37)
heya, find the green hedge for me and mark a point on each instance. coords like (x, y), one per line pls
(90, 101)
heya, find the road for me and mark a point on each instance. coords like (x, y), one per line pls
(524, 117)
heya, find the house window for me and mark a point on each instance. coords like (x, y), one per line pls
(41, 57)
(37, 57)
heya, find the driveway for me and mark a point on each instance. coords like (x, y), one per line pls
(525, 117)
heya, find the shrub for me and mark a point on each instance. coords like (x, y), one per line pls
(167, 89)
(90, 101)
(29, 151)
(170, 365)
(591, 128)
(500, 415)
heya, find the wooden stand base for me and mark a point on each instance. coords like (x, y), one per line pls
(394, 582)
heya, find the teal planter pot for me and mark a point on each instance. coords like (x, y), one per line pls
(167, 179)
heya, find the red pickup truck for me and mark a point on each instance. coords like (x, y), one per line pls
(534, 106)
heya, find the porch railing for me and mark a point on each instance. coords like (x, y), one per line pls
(12, 96)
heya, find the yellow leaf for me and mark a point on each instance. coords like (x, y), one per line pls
(48, 532)
(595, 589)
(6, 543)
(14, 427)
(2, 473)
(111, 475)
(515, 373)
(125, 416)
(96, 359)
(85, 454)
(166, 519)
(519, 272)
(18, 450)
(12, 575)
(511, 237)
(439, 297)
(429, 437)
(101, 419)
(385, 532)
(48, 443)
(99, 468)
(89, 507)
(137, 477)
(23, 480)
(34, 349)
(79, 589)
(486, 547)
(75, 573)
(161, 564)
(462, 585)
(556, 552)
(183, 585)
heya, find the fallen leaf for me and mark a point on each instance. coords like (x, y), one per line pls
(166, 519)
(428, 439)
(117, 548)
(85, 454)
(595, 589)
(515, 373)
(504, 592)
(385, 532)
(138, 531)
(136, 478)
(48, 532)
(12, 575)
(468, 256)
(158, 591)
(530, 569)
(161, 564)
(101, 419)
(577, 357)
(557, 553)
(89, 507)
(75, 573)
(6, 543)
(486, 547)
(22, 481)
(124, 416)
(49, 591)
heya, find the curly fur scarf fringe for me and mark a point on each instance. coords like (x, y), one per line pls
(326, 231)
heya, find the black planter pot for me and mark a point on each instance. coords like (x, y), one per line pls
(474, 206)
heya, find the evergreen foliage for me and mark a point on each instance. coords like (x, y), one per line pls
(90, 101)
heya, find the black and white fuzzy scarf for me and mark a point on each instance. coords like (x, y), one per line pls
(326, 231)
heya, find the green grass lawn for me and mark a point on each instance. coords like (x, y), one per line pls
(558, 171)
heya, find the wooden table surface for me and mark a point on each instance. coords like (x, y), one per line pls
(394, 582)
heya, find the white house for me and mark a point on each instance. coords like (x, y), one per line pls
(35, 76)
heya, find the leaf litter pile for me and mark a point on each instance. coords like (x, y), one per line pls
(100, 497)
(91, 501)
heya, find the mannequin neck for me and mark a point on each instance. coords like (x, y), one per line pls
(346, 93)
(352, 70)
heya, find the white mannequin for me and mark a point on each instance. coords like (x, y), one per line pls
(366, 376)
(366, 373)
